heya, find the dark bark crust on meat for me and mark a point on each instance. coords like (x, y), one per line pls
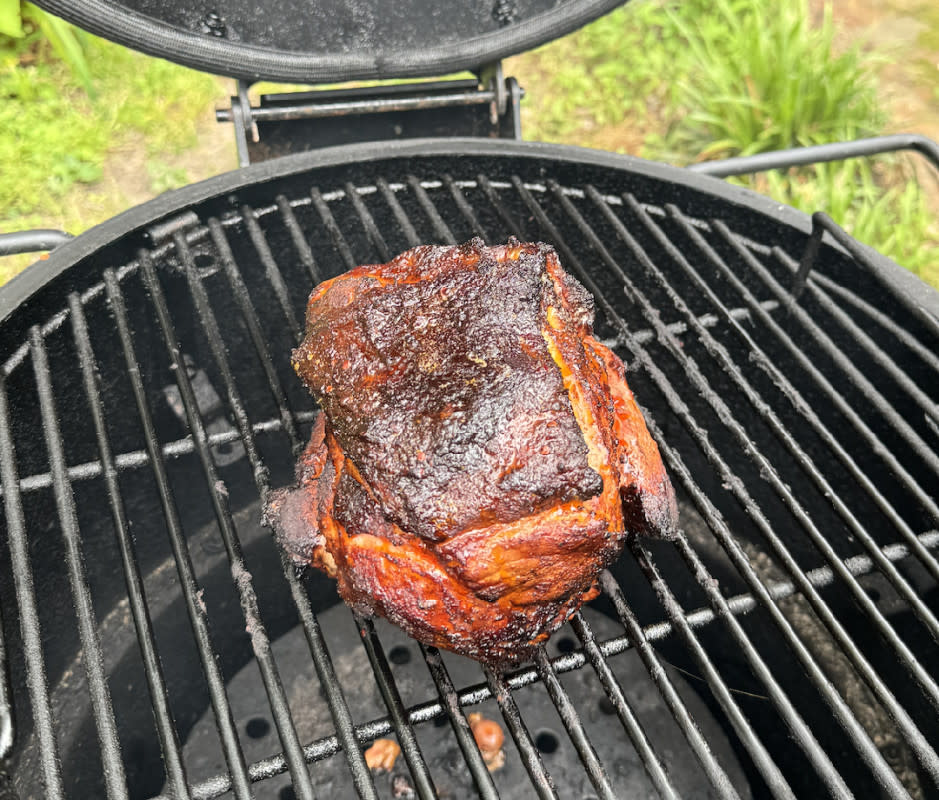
(480, 457)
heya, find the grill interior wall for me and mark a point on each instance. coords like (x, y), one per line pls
(693, 349)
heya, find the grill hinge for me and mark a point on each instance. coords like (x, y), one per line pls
(487, 106)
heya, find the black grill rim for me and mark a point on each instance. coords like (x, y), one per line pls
(20, 289)
(537, 182)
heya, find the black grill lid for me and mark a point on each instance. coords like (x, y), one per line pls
(318, 41)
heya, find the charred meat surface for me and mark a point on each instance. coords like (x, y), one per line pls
(479, 458)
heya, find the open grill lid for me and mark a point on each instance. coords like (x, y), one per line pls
(323, 41)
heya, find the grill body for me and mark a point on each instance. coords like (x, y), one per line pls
(784, 646)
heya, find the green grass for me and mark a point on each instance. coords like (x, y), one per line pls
(675, 80)
(701, 79)
(54, 140)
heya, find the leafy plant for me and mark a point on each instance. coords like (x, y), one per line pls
(68, 42)
(769, 80)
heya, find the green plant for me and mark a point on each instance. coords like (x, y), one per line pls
(68, 42)
(766, 79)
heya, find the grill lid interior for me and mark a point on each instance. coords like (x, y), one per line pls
(331, 40)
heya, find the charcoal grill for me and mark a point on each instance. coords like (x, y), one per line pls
(156, 643)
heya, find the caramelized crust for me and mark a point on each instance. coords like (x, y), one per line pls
(480, 457)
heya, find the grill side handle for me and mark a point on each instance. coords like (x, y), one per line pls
(37, 240)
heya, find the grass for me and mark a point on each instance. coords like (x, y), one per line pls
(55, 141)
(675, 80)
(701, 79)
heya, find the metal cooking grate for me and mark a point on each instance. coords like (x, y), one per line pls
(796, 413)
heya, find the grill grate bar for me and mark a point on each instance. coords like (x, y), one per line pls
(574, 726)
(541, 779)
(912, 664)
(137, 459)
(793, 719)
(826, 284)
(777, 784)
(808, 412)
(440, 227)
(260, 644)
(822, 223)
(399, 716)
(842, 712)
(624, 711)
(371, 229)
(299, 240)
(7, 731)
(899, 583)
(231, 747)
(26, 602)
(640, 640)
(274, 275)
(402, 218)
(865, 388)
(114, 778)
(250, 317)
(712, 769)
(485, 786)
(924, 401)
(335, 698)
(737, 605)
(465, 208)
(159, 700)
(332, 228)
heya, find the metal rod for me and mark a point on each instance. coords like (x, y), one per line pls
(254, 625)
(465, 208)
(788, 391)
(30, 631)
(737, 605)
(485, 786)
(862, 256)
(641, 641)
(575, 728)
(368, 222)
(541, 779)
(712, 768)
(318, 650)
(332, 228)
(631, 724)
(929, 357)
(258, 339)
(399, 718)
(403, 219)
(115, 781)
(159, 699)
(299, 240)
(198, 619)
(441, 228)
(32, 241)
(377, 105)
(271, 269)
(784, 435)
(7, 727)
(692, 370)
(820, 153)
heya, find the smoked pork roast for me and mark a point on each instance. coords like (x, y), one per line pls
(479, 457)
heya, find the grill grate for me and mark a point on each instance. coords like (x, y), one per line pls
(801, 435)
